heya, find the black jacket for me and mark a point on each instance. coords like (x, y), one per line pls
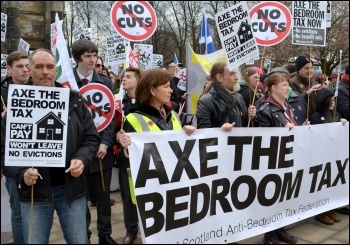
(218, 107)
(248, 94)
(4, 89)
(297, 103)
(270, 115)
(108, 134)
(343, 99)
(82, 143)
(320, 115)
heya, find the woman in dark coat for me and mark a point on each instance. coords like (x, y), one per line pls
(275, 111)
(326, 113)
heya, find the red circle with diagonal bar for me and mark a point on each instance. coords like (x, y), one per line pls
(271, 22)
(134, 20)
(99, 100)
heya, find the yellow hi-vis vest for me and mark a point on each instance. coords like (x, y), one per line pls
(142, 123)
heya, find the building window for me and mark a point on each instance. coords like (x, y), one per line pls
(58, 131)
(50, 121)
(41, 130)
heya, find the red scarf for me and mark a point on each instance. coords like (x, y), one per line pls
(345, 78)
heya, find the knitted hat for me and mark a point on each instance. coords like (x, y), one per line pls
(334, 75)
(278, 69)
(301, 61)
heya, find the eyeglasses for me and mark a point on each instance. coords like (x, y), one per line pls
(98, 65)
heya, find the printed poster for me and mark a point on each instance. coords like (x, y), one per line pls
(37, 121)
(236, 35)
(309, 23)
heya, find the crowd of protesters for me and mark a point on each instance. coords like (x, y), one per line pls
(287, 96)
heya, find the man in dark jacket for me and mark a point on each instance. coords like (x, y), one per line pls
(301, 81)
(56, 189)
(17, 69)
(130, 80)
(85, 53)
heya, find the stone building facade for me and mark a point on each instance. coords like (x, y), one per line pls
(30, 21)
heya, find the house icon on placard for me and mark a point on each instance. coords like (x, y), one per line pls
(50, 127)
(120, 49)
(245, 32)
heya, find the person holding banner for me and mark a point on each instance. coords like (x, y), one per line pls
(296, 100)
(18, 73)
(85, 54)
(130, 80)
(275, 111)
(150, 112)
(223, 106)
(56, 189)
(326, 113)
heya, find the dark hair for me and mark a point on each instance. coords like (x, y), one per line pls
(291, 68)
(274, 79)
(37, 51)
(15, 56)
(100, 58)
(320, 79)
(275, 64)
(167, 63)
(104, 68)
(330, 115)
(150, 79)
(136, 71)
(81, 46)
(207, 87)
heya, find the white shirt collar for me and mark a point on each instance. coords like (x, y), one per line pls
(88, 77)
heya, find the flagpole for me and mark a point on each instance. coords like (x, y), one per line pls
(205, 32)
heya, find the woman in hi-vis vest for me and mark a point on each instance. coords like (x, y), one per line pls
(151, 111)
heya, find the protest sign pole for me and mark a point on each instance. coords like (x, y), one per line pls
(337, 84)
(256, 87)
(2, 100)
(31, 214)
(102, 179)
(308, 95)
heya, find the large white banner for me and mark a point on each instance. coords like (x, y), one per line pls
(37, 121)
(217, 187)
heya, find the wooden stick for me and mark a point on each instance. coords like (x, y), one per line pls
(2, 100)
(103, 181)
(31, 214)
(308, 95)
(256, 87)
